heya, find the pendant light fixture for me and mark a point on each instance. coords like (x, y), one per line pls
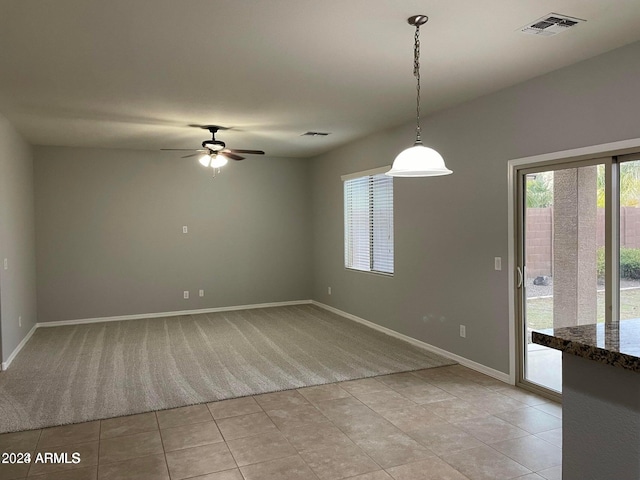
(418, 161)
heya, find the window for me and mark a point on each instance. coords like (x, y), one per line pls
(368, 221)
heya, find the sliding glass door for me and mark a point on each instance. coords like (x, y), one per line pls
(577, 254)
(629, 237)
(562, 240)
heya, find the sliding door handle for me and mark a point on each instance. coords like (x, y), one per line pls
(520, 277)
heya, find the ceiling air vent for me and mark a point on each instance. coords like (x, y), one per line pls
(550, 25)
(314, 134)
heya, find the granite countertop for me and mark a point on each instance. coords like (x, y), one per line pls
(616, 344)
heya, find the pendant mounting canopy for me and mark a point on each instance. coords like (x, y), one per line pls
(417, 20)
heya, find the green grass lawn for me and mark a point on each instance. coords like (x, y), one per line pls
(540, 310)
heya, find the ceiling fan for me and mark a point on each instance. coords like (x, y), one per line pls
(214, 153)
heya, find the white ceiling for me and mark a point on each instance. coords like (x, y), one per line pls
(136, 73)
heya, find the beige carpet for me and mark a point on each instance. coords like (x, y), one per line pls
(87, 372)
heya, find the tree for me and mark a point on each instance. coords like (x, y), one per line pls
(629, 184)
(540, 190)
(540, 187)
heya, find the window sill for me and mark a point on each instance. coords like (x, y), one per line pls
(377, 274)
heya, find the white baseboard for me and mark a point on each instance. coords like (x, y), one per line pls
(15, 352)
(478, 367)
(171, 314)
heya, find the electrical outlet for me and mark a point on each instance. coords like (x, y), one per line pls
(185, 229)
(201, 293)
(463, 331)
(6, 264)
(185, 294)
(497, 263)
(20, 320)
(329, 290)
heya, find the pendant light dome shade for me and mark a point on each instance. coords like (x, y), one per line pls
(418, 161)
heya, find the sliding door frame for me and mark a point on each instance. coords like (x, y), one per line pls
(568, 159)
(520, 214)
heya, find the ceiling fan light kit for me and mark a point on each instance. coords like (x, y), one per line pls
(418, 160)
(205, 160)
(214, 153)
(218, 161)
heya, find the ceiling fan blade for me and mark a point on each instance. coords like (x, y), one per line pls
(192, 155)
(200, 150)
(230, 155)
(239, 150)
(207, 127)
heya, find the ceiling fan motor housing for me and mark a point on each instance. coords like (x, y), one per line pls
(215, 145)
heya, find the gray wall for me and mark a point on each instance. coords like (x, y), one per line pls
(449, 229)
(17, 239)
(110, 241)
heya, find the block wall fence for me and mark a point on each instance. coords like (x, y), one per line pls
(539, 236)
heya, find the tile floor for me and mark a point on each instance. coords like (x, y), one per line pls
(447, 423)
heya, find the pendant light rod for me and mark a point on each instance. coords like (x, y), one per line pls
(416, 21)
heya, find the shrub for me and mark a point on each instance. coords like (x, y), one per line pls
(629, 262)
(600, 262)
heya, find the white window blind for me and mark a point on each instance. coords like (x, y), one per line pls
(368, 223)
